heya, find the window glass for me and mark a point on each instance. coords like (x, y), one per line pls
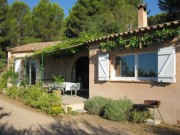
(147, 65)
(125, 66)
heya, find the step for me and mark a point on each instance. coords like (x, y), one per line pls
(75, 106)
(81, 111)
(152, 122)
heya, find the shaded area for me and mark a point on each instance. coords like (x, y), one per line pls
(3, 114)
(82, 71)
(75, 128)
(82, 124)
(84, 127)
(59, 127)
(6, 129)
(162, 130)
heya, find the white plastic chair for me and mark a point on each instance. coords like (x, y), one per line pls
(76, 87)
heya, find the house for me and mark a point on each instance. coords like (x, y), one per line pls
(27, 67)
(148, 71)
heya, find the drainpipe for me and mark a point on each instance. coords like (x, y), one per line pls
(42, 67)
(25, 74)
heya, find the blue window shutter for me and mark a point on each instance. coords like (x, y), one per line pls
(103, 67)
(167, 65)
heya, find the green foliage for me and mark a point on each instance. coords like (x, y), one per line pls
(19, 23)
(94, 105)
(171, 7)
(109, 45)
(8, 76)
(133, 42)
(58, 79)
(12, 92)
(37, 98)
(157, 19)
(118, 110)
(157, 36)
(139, 116)
(101, 17)
(121, 42)
(70, 111)
(165, 34)
(68, 47)
(4, 9)
(82, 10)
(19, 26)
(47, 18)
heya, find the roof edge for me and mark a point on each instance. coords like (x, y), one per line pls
(137, 31)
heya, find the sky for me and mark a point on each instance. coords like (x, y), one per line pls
(152, 5)
(67, 5)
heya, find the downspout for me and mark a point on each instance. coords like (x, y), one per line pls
(42, 67)
(25, 74)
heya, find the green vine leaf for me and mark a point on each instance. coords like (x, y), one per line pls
(72, 46)
(121, 43)
(144, 41)
(108, 45)
(134, 42)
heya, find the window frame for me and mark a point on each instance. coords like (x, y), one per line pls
(135, 78)
(124, 78)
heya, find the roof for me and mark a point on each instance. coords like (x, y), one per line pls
(32, 47)
(137, 31)
(39, 46)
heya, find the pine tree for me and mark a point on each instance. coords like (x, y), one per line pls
(117, 16)
(82, 11)
(157, 19)
(101, 17)
(172, 7)
(20, 23)
(47, 19)
(4, 8)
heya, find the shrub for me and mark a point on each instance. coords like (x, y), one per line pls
(8, 76)
(55, 110)
(139, 114)
(94, 105)
(31, 96)
(12, 92)
(118, 110)
(70, 111)
(37, 98)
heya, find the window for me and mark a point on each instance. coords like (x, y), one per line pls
(152, 66)
(143, 66)
(147, 65)
(32, 71)
(125, 66)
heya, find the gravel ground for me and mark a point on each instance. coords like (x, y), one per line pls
(18, 119)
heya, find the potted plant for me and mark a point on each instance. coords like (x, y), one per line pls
(58, 80)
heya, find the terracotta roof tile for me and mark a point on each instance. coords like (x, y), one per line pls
(138, 31)
(32, 47)
(39, 46)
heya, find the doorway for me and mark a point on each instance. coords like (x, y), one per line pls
(80, 73)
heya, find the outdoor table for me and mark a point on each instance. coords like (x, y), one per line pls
(67, 86)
